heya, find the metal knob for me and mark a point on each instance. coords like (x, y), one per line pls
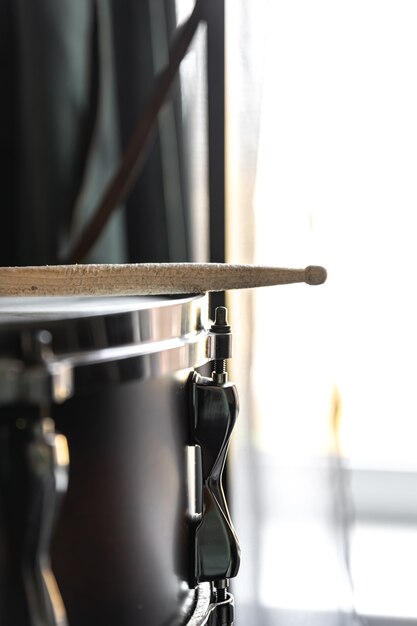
(220, 345)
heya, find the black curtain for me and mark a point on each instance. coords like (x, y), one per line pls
(140, 32)
(76, 76)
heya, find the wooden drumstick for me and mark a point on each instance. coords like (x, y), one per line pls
(147, 278)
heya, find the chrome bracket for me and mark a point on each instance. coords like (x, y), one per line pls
(214, 409)
(38, 377)
(210, 611)
(34, 478)
(214, 412)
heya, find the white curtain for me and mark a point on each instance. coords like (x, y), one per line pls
(291, 502)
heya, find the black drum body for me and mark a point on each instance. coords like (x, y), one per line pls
(109, 470)
(122, 526)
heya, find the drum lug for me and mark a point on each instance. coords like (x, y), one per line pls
(34, 480)
(48, 379)
(214, 411)
(39, 377)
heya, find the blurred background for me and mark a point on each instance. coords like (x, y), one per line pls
(321, 169)
(290, 138)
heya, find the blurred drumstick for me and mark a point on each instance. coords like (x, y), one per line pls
(147, 278)
(136, 150)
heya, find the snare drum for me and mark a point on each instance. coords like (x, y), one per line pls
(111, 454)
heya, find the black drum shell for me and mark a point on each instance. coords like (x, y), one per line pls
(122, 546)
(121, 553)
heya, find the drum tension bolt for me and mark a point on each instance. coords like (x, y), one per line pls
(220, 345)
(221, 587)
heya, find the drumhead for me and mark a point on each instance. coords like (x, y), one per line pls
(108, 338)
(47, 308)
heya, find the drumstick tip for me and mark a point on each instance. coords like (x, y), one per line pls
(315, 275)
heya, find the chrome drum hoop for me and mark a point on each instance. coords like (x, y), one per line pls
(133, 338)
(209, 613)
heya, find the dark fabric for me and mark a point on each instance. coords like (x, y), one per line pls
(103, 153)
(52, 105)
(76, 76)
(7, 136)
(150, 233)
(146, 224)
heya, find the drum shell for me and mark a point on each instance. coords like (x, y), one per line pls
(123, 535)
(123, 545)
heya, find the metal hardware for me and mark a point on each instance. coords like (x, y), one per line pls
(34, 385)
(219, 345)
(221, 587)
(209, 610)
(94, 341)
(56, 376)
(214, 408)
(35, 477)
(194, 483)
(214, 411)
(37, 377)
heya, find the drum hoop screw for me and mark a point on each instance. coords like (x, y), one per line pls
(221, 334)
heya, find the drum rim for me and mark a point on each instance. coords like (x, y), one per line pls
(99, 331)
(22, 319)
(99, 349)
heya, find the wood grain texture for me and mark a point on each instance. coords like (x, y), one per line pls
(147, 278)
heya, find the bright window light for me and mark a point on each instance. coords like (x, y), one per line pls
(322, 169)
(337, 185)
